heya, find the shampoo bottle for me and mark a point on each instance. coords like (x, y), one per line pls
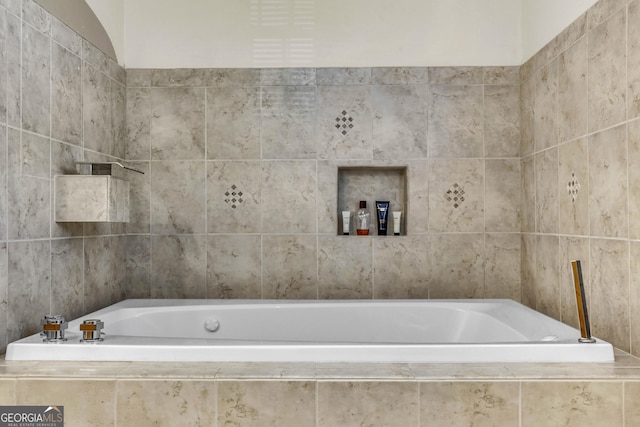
(362, 220)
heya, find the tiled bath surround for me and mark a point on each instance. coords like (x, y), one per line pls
(241, 195)
(61, 100)
(580, 155)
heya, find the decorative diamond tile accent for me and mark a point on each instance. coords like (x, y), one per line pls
(344, 123)
(455, 195)
(233, 197)
(573, 187)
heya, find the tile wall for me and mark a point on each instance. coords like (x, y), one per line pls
(240, 198)
(61, 100)
(580, 183)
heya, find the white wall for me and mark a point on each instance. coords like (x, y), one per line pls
(542, 20)
(325, 33)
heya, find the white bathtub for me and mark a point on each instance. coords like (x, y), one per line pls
(320, 331)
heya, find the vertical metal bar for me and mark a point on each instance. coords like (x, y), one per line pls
(581, 300)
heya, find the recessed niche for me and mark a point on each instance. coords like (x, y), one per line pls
(372, 183)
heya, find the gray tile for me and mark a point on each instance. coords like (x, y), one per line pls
(179, 265)
(234, 266)
(36, 63)
(66, 96)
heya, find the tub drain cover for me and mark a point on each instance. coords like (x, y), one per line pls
(211, 325)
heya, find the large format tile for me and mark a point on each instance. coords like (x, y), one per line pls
(573, 187)
(96, 110)
(179, 265)
(345, 267)
(234, 266)
(546, 195)
(36, 64)
(290, 267)
(572, 91)
(502, 266)
(401, 267)
(4, 294)
(66, 95)
(456, 263)
(502, 120)
(547, 287)
(67, 281)
(502, 195)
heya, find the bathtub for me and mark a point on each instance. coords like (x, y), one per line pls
(319, 331)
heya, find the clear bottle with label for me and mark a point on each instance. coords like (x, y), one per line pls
(363, 219)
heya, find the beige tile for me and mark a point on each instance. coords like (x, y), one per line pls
(345, 267)
(527, 120)
(607, 72)
(267, 403)
(4, 291)
(502, 266)
(528, 269)
(455, 75)
(152, 403)
(399, 75)
(179, 265)
(547, 287)
(501, 75)
(545, 122)
(608, 183)
(573, 248)
(634, 297)
(469, 403)
(631, 399)
(368, 403)
(86, 402)
(633, 60)
(401, 266)
(609, 278)
(234, 266)
(571, 404)
(633, 159)
(327, 202)
(456, 263)
(290, 267)
(546, 196)
(573, 187)
(8, 391)
(502, 120)
(528, 201)
(572, 92)
(601, 11)
(502, 195)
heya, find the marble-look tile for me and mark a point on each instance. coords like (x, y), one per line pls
(267, 403)
(399, 75)
(572, 33)
(137, 78)
(156, 402)
(351, 404)
(527, 120)
(138, 131)
(343, 76)
(234, 266)
(456, 195)
(609, 313)
(288, 116)
(289, 267)
(178, 77)
(233, 122)
(633, 159)
(344, 120)
(455, 75)
(66, 95)
(29, 155)
(401, 267)
(399, 125)
(631, 409)
(177, 129)
(327, 202)
(96, 110)
(4, 296)
(570, 403)
(86, 402)
(608, 183)
(607, 86)
(502, 195)
(547, 268)
(3, 183)
(528, 197)
(572, 92)
(501, 75)
(234, 197)
(456, 266)
(475, 404)
(29, 207)
(13, 6)
(456, 121)
(179, 266)
(573, 248)
(36, 16)
(502, 121)
(415, 218)
(502, 266)
(118, 119)
(8, 391)
(232, 76)
(29, 276)
(601, 11)
(289, 197)
(94, 56)
(573, 187)
(545, 107)
(138, 266)
(288, 76)
(139, 198)
(345, 268)
(36, 64)
(4, 66)
(178, 197)
(546, 195)
(100, 287)
(13, 70)
(528, 269)
(65, 36)
(67, 284)
(633, 60)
